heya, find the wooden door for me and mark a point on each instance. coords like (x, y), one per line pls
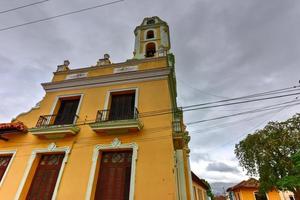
(66, 112)
(114, 176)
(44, 180)
(122, 106)
(4, 162)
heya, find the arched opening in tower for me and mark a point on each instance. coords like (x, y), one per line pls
(150, 49)
(150, 34)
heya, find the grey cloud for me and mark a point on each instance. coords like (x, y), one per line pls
(225, 48)
(221, 167)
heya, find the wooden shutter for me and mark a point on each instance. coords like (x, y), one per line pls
(114, 176)
(45, 177)
(4, 162)
(122, 106)
(66, 112)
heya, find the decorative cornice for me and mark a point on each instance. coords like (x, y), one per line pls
(128, 62)
(127, 77)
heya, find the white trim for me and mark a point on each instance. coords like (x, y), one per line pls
(7, 152)
(116, 144)
(108, 95)
(64, 96)
(105, 80)
(190, 177)
(145, 34)
(50, 149)
(181, 175)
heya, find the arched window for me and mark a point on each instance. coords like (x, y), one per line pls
(150, 34)
(150, 49)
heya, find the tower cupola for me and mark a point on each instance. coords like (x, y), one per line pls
(152, 38)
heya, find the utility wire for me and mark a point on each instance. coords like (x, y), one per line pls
(248, 96)
(237, 114)
(201, 91)
(239, 102)
(24, 6)
(60, 15)
(198, 107)
(253, 129)
(190, 107)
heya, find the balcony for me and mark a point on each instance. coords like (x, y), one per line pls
(55, 126)
(180, 135)
(117, 122)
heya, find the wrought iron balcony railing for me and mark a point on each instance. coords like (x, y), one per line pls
(50, 120)
(114, 114)
(177, 127)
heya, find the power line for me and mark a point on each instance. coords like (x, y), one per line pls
(248, 96)
(237, 114)
(244, 134)
(239, 102)
(190, 108)
(24, 6)
(201, 91)
(202, 105)
(216, 127)
(60, 15)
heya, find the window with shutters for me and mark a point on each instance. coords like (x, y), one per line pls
(4, 163)
(122, 106)
(45, 177)
(66, 110)
(114, 175)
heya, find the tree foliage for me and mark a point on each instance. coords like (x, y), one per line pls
(293, 179)
(268, 152)
(209, 191)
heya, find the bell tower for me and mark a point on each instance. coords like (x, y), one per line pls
(152, 38)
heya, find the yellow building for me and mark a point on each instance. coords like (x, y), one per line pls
(199, 188)
(108, 131)
(248, 190)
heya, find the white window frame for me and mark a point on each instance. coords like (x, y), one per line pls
(65, 96)
(108, 96)
(116, 144)
(52, 148)
(7, 152)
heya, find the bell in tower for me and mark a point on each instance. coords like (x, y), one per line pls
(152, 38)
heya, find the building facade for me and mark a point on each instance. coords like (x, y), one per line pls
(248, 190)
(108, 131)
(200, 188)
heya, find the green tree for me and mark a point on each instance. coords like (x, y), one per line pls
(268, 153)
(209, 191)
(293, 179)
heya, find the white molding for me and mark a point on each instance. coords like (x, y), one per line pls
(7, 152)
(64, 96)
(105, 80)
(108, 95)
(182, 190)
(190, 177)
(116, 144)
(52, 148)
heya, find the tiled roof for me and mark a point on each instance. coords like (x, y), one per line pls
(12, 127)
(250, 183)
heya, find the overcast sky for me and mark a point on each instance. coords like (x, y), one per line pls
(223, 49)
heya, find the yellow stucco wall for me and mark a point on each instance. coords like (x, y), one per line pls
(157, 62)
(248, 194)
(200, 193)
(155, 177)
